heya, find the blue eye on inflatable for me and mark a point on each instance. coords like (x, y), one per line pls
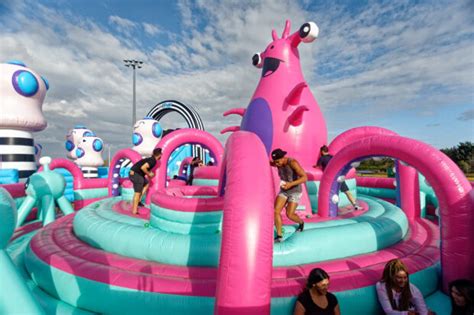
(25, 83)
(69, 145)
(157, 130)
(79, 152)
(88, 134)
(137, 139)
(97, 145)
(46, 82)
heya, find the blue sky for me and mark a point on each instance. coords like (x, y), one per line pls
(404, 65)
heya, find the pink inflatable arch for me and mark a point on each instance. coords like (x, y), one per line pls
(351, 135)
(455, 194)
(245, 265)
(68, 165)
(180, 137)
(113, 180)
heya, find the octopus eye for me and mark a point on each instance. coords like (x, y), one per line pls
(308, 32)
(257, 60)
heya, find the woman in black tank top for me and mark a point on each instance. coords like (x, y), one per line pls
(315, 298)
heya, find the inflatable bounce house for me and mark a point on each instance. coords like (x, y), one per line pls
(209, 247)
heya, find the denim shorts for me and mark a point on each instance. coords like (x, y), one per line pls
(291, 196)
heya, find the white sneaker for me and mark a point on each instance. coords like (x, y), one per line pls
(357, 207)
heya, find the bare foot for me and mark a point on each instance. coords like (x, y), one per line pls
(136, 213)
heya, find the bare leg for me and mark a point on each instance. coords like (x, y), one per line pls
(350, 197)
(145, 189)
(136, 200)
(279, 204)
(290, 212)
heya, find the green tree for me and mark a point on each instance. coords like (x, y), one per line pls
(462, 155)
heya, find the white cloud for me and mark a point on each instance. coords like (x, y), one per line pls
(123, 25)
(151, 29)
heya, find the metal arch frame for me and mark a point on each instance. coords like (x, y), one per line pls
(186, 111)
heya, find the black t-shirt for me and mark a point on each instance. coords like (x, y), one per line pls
(312, 308)
(324, 160)
(137, 167)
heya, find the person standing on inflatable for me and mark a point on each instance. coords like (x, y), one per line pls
(323, 161)
(292, 176)
(137, 177)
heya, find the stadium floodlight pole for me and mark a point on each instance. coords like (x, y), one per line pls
(135, 64)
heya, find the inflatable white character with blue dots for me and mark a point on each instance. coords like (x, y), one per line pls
(22, 93)
(74, 137)
(146, 135)
(89, 155)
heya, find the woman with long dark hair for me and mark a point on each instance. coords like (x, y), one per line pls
(315, 298)
(461, 292)
(396, 294)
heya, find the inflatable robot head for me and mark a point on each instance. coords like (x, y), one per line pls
(73, 137)
(146, 135)
(23, 92)
(89, 152)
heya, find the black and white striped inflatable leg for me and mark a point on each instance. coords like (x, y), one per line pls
(90, 172)
(17, 151)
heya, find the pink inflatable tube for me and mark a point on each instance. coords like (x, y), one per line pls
(15, 190)
(71, 167)
(176, 139)
(184, 165)
(454, 192)
(80, 182)
(92, 183)
(174, 199)
(351, 135)
(207, 172)
(409, 191)
(245, 264)
(376, 182)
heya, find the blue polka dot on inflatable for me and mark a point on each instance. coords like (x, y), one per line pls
(137, 139)
(25, 83)
(98, 145)
(157, 130)
(69, 145)
(79, 152)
